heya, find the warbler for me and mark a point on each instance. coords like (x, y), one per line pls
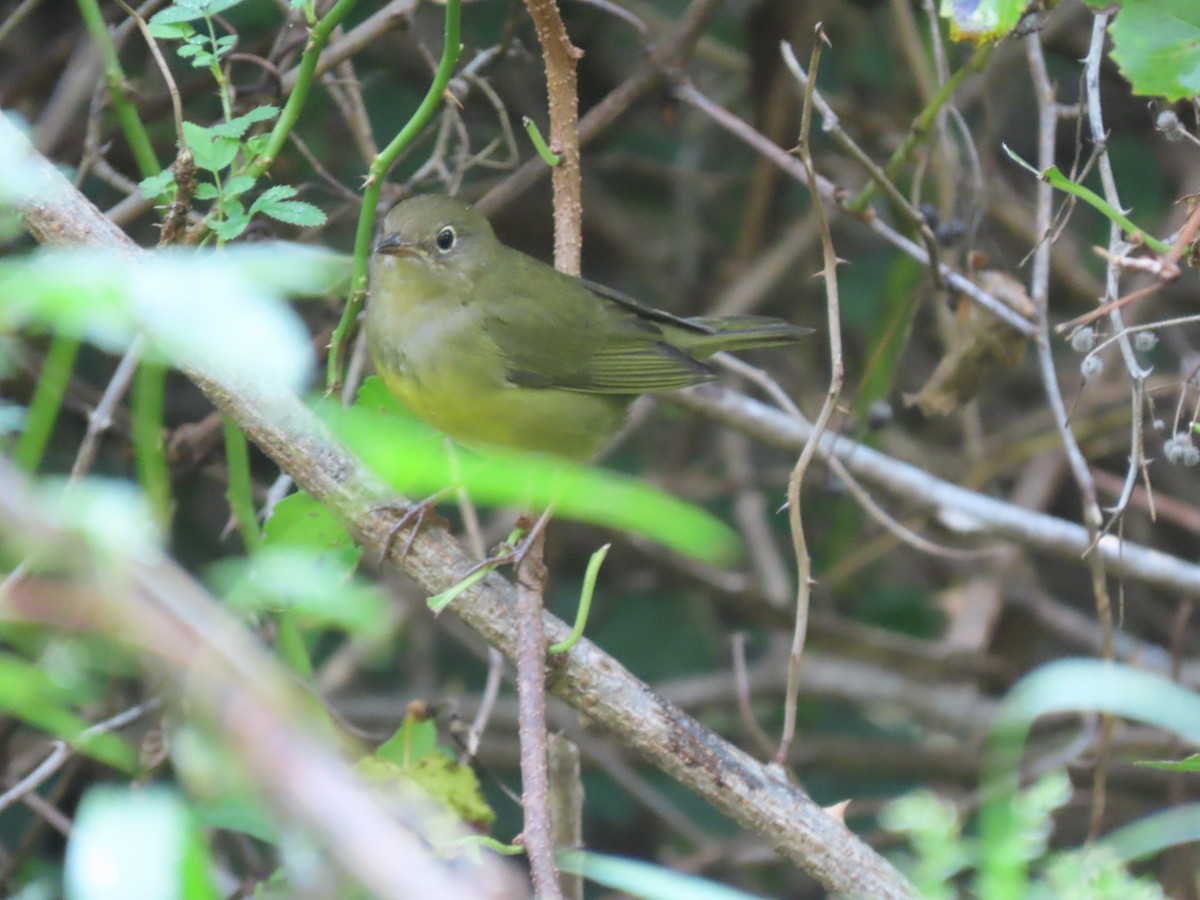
(497, 349)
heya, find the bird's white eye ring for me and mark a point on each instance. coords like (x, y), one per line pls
(446, 239)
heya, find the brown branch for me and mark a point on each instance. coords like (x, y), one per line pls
(591, 681)
(561, 57)
(667, 55)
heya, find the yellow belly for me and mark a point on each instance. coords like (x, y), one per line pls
(541, 420)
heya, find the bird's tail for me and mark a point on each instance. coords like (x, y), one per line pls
(735, 333)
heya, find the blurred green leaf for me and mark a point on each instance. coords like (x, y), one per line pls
(1190, 764)
(300, 521)
(139, 843)
(1069, 685)
(190, 10)
(28, 692)
(413, 739)
(223, 307)
(238, 126)
(643, 879)
(1155, 833)
(413, 459)
(281, 578)
(980, 21)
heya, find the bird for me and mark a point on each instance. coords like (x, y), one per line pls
(497, 349)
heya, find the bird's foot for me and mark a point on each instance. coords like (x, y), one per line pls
(412, 515)
(513, 550)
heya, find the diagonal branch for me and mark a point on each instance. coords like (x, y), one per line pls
(591, 681)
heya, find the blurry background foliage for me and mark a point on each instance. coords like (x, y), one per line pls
(909, 653)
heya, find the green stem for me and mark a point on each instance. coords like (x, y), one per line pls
(47, 401)
(289, 642)
(317, 39)
(539, 143)
(585, 602)
(154, 474)
(241, 500)
(921, 126)
(114, 76)
(379, 168)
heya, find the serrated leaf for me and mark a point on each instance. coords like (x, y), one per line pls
(1156, 45)
(294, 212)
(190, 10)
(210, 152)
(228, 229)
(237, 127)
(238, 185)
(157, 184)
(205, 191)
(170, 31)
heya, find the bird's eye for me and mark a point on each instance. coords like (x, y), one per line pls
(445, 239)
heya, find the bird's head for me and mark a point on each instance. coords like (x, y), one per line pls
(442, 233)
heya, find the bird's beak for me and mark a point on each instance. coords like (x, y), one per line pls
(394, 245)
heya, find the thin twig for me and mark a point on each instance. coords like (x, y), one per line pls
(836, 374)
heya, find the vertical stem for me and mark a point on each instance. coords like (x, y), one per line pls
(154, 474)
(114, 75)
(241, 501)
(560, 56)
(378, 169)
(47, 401)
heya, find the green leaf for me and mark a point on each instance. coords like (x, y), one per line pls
(413, 740)
(206, 190)
(136, 843)
(190, 10)
(257, 143)
(273, 194)
(643, 879)
(237, 222)
(1156, 44)
(285, 578)
(238, 185)
(1069, 685)
(438, 776)
(299, 521)
(980, 21)
(28, 692)
(294, 212)
(157, 184)
(170, 31)
(413, 460)
(235, 128)
(224, 308)
(211, 152)
(237, 813)
(1188, 764)
(1155, 833)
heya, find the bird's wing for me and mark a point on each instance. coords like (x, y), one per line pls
(582, 337)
